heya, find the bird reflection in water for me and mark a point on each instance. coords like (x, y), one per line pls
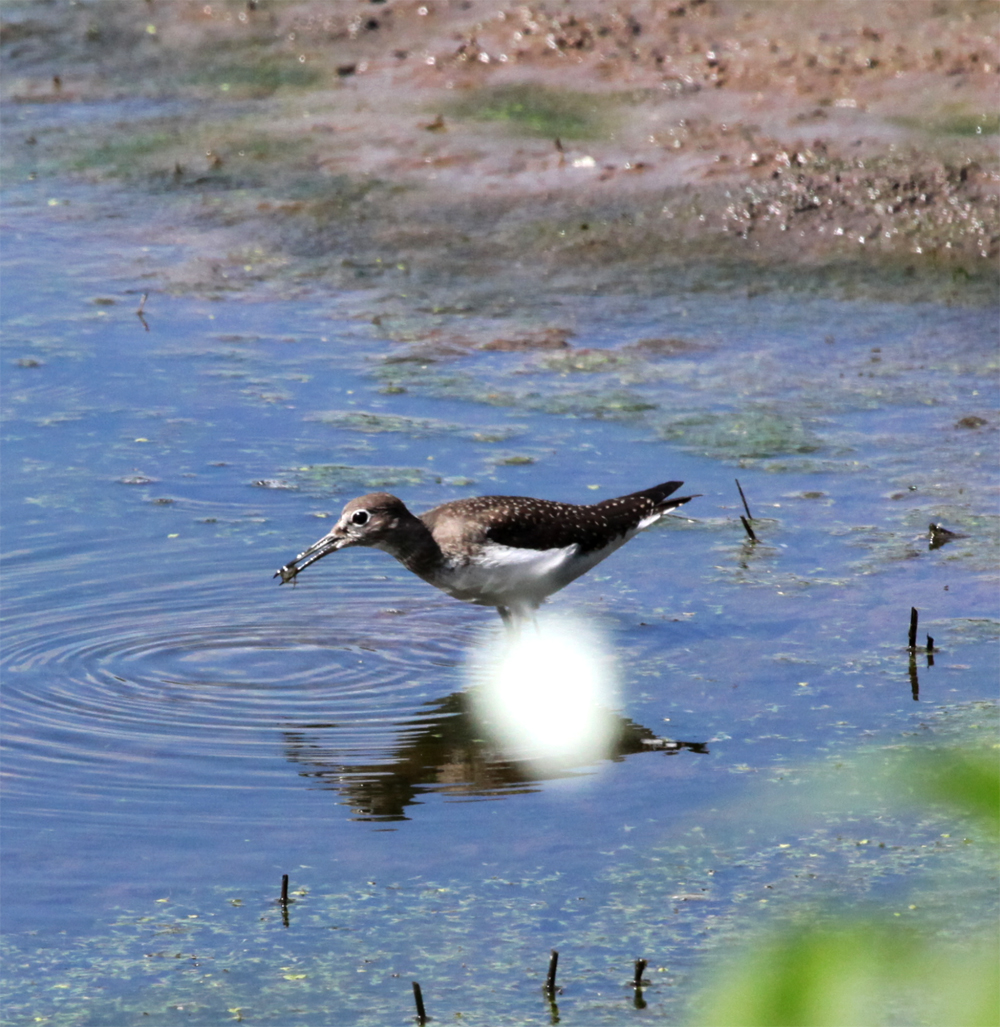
(539, 704)
(443, 749)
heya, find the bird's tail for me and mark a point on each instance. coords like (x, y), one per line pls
(672, 504)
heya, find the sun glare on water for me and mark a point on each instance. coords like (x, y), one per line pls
(546, 695)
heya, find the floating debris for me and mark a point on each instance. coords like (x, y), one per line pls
(941, 536)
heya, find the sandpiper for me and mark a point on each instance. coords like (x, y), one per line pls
(510, 552)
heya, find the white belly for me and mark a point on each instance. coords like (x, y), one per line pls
(507, 576)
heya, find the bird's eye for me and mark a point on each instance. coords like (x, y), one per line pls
(359, 517)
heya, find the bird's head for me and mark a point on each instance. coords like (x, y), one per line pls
(365, 521)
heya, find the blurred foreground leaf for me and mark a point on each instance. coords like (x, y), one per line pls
(869, 971)
(968, 781)
(857, 974)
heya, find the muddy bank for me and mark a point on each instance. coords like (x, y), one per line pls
(839, 147)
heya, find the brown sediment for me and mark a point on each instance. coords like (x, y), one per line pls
(642, 145)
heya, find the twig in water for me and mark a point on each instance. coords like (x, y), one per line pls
(422, 1017)
(913, 628)
(640, 967)
(284, 900)
(749, 530)
(637, 1000)
(744, 498)
(550, 980)
(138, 313)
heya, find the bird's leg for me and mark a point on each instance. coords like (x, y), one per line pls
(517, 617)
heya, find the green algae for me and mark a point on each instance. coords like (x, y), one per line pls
(333, 478)
(972, 629)
(178, 154)
(602, 404)
(377, 423)
(956, 121)
(371, 423)
(754, 431)
(119, 152)
(588, 360)
(257, 75)
(536, 110)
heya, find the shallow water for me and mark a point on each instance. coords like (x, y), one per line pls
(180, 730)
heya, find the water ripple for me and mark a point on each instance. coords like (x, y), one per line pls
(151, 683)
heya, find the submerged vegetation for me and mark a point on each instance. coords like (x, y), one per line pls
(537, 110)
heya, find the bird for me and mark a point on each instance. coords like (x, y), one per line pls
(509, 552)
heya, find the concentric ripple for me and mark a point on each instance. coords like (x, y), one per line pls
(112, 686)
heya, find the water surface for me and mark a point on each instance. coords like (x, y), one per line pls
(180, 731)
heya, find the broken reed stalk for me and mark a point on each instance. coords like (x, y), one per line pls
(139, 314)
(749, 530)
(284, 890)
(913, 628)
(419, 999)
(744, 498)
(550, 980)
(749, 517)
(640, 967)
(930, 644)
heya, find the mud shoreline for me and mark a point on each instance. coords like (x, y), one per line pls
(846, 148)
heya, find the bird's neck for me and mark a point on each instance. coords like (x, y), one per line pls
(413, 545)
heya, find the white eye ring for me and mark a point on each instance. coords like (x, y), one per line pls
(359, 517)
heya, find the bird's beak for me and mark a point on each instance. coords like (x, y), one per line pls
(329, 543)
